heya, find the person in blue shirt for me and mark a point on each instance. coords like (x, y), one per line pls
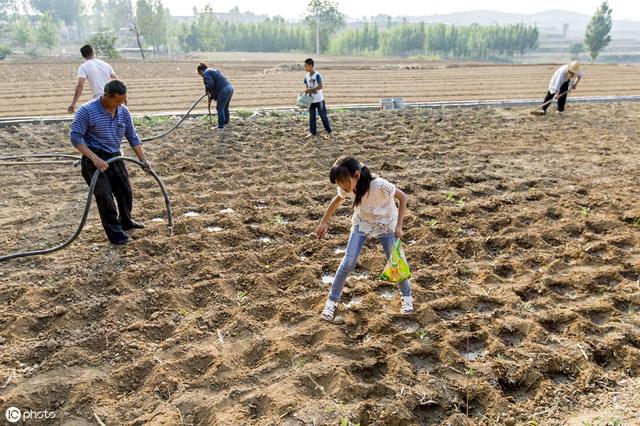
(219, 89)
(97, 131)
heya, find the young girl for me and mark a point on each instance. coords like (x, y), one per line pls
(375, 214)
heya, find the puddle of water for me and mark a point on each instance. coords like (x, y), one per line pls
(214, 229)
(387, 294)
(191, 214)
(303, 258)
(265, 240)
(360, 276)
(472, 355)
(406, 326)
(227, 210)
(253, 225)
(157, 219)
(327, 279)
(340, 250)
(353, 302)
(261, 206)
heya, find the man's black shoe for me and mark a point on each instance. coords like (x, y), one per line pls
(133, 225)
(121, 242)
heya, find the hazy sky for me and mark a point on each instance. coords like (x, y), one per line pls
(294, 9)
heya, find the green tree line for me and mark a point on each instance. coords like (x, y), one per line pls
(206, 33)
(473, 41)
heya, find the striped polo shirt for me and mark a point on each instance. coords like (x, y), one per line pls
(93, 126)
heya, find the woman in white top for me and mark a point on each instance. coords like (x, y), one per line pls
(375, 214)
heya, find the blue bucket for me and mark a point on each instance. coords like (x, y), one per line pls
(304, 100)
(386, 103)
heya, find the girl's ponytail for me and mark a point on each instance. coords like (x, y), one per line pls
(363, 184)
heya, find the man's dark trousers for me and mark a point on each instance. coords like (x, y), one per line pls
(561, 100)
(321, 108)
(113, 182)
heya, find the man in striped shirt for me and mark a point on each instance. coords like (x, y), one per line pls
(97, 131)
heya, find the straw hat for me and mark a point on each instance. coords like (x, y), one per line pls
(574, 67)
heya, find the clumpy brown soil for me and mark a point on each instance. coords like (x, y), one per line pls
(522, 234)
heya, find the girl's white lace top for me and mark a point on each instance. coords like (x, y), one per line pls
(377, 213)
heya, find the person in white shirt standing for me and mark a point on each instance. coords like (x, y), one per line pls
(565, 79)
(98, 73)
(313, 81)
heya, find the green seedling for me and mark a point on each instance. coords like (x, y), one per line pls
(241, 297)
(422, 334)
(636, 224)
(280, 220)
(525, 306)
(150, 121)
(465, 270)
(298, 363)
(433, 223)
(244, 113)
(346, 422)
(584, 211)
(450, 196)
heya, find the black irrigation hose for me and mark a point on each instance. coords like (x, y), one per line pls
(18, 157)
(35, 163)
(77, 157)
(87, 206)
(179, 122)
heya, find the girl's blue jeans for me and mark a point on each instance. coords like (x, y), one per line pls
(354, 247)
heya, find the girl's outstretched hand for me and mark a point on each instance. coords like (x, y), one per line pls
(399, 232)
(322, 230)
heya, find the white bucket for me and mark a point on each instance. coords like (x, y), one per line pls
(398, 103)
(386, 103)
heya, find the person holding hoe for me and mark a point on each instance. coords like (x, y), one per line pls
(565, 79)
(219, 89)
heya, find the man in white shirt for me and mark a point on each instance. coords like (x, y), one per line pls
(565, 78)
(96, 71)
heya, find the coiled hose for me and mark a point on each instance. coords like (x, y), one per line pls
(87, 206)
